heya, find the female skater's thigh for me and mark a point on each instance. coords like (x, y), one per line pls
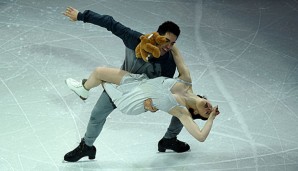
(111, 75)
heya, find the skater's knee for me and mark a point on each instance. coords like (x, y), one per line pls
(97, 119)
(99, 70)
(98, 116)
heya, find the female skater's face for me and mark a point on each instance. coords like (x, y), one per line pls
(168, 46)
(204, 108)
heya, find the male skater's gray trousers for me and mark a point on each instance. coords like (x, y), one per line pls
(103, 107)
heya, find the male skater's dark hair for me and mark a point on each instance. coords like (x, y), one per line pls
(169, 26)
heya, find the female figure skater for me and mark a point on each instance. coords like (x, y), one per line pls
(135, 94)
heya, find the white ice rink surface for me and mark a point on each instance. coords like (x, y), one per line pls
(242, 56)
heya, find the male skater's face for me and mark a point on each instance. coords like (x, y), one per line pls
(169, 45)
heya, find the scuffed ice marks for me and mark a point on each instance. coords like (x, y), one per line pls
(250, 45)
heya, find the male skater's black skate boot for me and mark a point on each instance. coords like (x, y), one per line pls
(81, 151)
(172, 144)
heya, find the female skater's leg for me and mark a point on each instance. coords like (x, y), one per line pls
(104, 74)
(99, 75)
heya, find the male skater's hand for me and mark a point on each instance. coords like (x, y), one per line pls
(72, 13)
(148, 105)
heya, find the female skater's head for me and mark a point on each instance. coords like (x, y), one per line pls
(203, 109)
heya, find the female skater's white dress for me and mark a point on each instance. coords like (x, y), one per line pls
(134, 89)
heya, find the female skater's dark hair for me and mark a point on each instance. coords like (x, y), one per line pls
(198, 116)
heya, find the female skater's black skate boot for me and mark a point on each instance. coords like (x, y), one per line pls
(81, 151)
(172, 144)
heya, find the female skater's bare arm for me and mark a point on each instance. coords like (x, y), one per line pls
(185, 118)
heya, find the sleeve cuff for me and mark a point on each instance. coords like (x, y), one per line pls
(80, 16)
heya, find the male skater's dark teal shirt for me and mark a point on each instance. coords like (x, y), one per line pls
(163, 66)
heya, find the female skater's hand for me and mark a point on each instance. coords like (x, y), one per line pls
(72, 13)
(214, 112)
